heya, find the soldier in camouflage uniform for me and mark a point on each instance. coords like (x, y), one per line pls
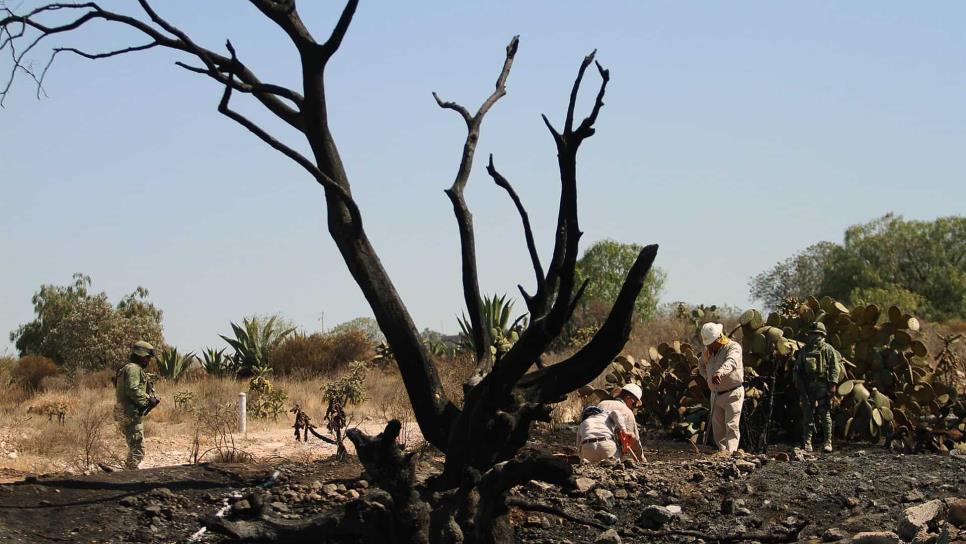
(133, 401)
(816, 376)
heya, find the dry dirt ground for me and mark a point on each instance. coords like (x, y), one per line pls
(832, 496)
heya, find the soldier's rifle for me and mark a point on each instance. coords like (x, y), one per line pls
(153, 398)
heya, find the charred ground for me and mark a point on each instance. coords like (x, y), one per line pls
(756, 498)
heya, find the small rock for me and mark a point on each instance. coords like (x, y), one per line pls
(330, 489)
(280, 506)
(362, 484)
(917, 519)
(621, 494)
(352, 494)
(852, 502)
(743, 511)
(315, 497)
(697, 477)
(876, 537)
(655, 517)
(604, 496)
(163, 493)
(533, 521)
(728, 506)
(833, 534)
(606, 517)
(241, 506)
(652, 493)
(745, 466)
(540, 486)
(128, 501)
(674, 509)
(812, 469)
(629, 463)
(12, 455)
(957, 512)
(782, 456)
(340, 488)
(749, 490)
(585, 484)
(315, 485)
(152, 510)
(912, 496)
(609, 536)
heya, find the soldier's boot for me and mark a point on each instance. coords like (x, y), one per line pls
(808, 444)
(827, 447)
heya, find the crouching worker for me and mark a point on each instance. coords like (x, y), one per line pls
(609, 430)
(134, 401)
(721, 366)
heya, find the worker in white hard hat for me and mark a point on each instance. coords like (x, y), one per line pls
(721, 367)
(609, 430)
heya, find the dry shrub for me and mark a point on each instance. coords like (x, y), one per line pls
(12, 396)
(55, 383)
(93, 426)
(94, 379)
(453, 373)
(320, 354)
(6, 367)
(214, 440)
(31, 370)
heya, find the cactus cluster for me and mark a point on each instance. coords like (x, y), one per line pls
(888, 381)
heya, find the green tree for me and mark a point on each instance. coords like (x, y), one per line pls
(918, 265)
(51, 304)
(606, 264)
(799, 276)
(365, 325)
(78, 329)
(926, 258)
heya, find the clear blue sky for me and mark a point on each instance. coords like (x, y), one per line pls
(733, 135)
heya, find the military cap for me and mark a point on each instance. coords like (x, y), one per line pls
(142, 349)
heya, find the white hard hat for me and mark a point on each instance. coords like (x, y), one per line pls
(634, 389)
(710, 332)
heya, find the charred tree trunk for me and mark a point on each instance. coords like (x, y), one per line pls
(483, 441)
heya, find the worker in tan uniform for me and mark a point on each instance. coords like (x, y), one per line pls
(602, 428)
(721, 367)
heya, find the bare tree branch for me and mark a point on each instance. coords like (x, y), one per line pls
(554, 382)
(320, 176)
(464, 218)
(524, 217)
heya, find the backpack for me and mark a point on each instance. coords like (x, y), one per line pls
(590, 411)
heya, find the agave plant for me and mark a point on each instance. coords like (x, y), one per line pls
(171, 364)
(216, 363)
(496, 318)
(253, 341)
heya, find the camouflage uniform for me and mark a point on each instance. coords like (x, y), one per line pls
(132, 400)
(816, 373)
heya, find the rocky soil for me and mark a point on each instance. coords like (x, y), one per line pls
(678, 496)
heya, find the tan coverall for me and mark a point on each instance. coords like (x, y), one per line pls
(729, 393)
(597, 435)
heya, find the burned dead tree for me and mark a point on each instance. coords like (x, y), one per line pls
(484, 440)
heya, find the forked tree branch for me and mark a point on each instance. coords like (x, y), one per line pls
(324, 180)
(464, 218)
(554, 301)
